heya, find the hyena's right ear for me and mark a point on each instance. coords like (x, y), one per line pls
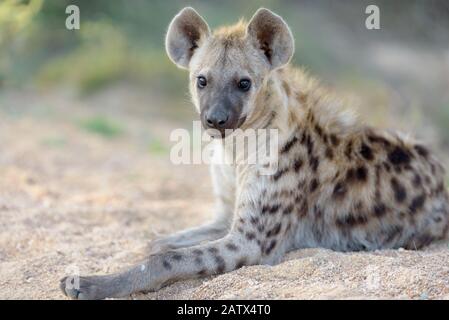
(185, 34)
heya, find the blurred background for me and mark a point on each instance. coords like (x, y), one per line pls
(85, 117)
(115, 66)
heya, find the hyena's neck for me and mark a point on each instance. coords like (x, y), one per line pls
(292, 100)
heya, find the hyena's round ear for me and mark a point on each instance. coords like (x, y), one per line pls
(185, 34)
(271, 34)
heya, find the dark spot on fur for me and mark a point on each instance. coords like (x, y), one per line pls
(279, 174)
(198, 252)
(231, 247)
(250, 235)
(202, 272)
(334, 140)
(212, 250)
(221, 264)
(313, 185)
(288, 227)
(417, 242)
(387, 167)
(440, 188)
(393, 233)
(362, 173)
(254, 220)
(329, 154)
(366, 152)
(400, 194)
(275, 230)
(380, 210)
(377, 139)
(417, 180)
(348, 150)
(309, 144)
(314, 163)
(350, 175)
(339, 190)
(422, 151)
(166, 264)
(303, 209)
(318, 130)
(352, 220)
(433, 168)
(271, 209)
(318, 212)
(270, 247)
(417, 203)
(288, 209)
(297, 165)
(399, 156)
(177, 257)
(289, 145)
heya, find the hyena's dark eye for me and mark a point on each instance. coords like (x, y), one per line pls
(201, 82)
(244, 84)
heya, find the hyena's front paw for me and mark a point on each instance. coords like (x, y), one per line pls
(84, 288)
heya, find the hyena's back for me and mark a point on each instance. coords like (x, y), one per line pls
(366, 191)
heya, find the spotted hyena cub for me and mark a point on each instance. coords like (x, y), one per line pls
(338, 185)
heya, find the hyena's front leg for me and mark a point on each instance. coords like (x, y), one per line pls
(224, 192)
(259, 235)
(191, 237)
(228, 253)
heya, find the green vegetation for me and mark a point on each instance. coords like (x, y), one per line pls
(102, 126)
(54, 142)
(156, 147)
(116, 42)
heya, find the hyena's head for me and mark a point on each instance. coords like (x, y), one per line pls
(228, 67)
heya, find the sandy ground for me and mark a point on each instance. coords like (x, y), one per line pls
(72, 201)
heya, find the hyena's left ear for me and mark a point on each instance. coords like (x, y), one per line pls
(185, 34)
(272, 35)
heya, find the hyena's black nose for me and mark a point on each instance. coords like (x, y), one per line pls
(217, 119)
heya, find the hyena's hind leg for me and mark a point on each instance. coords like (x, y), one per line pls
(224, 191)
(434, 225)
